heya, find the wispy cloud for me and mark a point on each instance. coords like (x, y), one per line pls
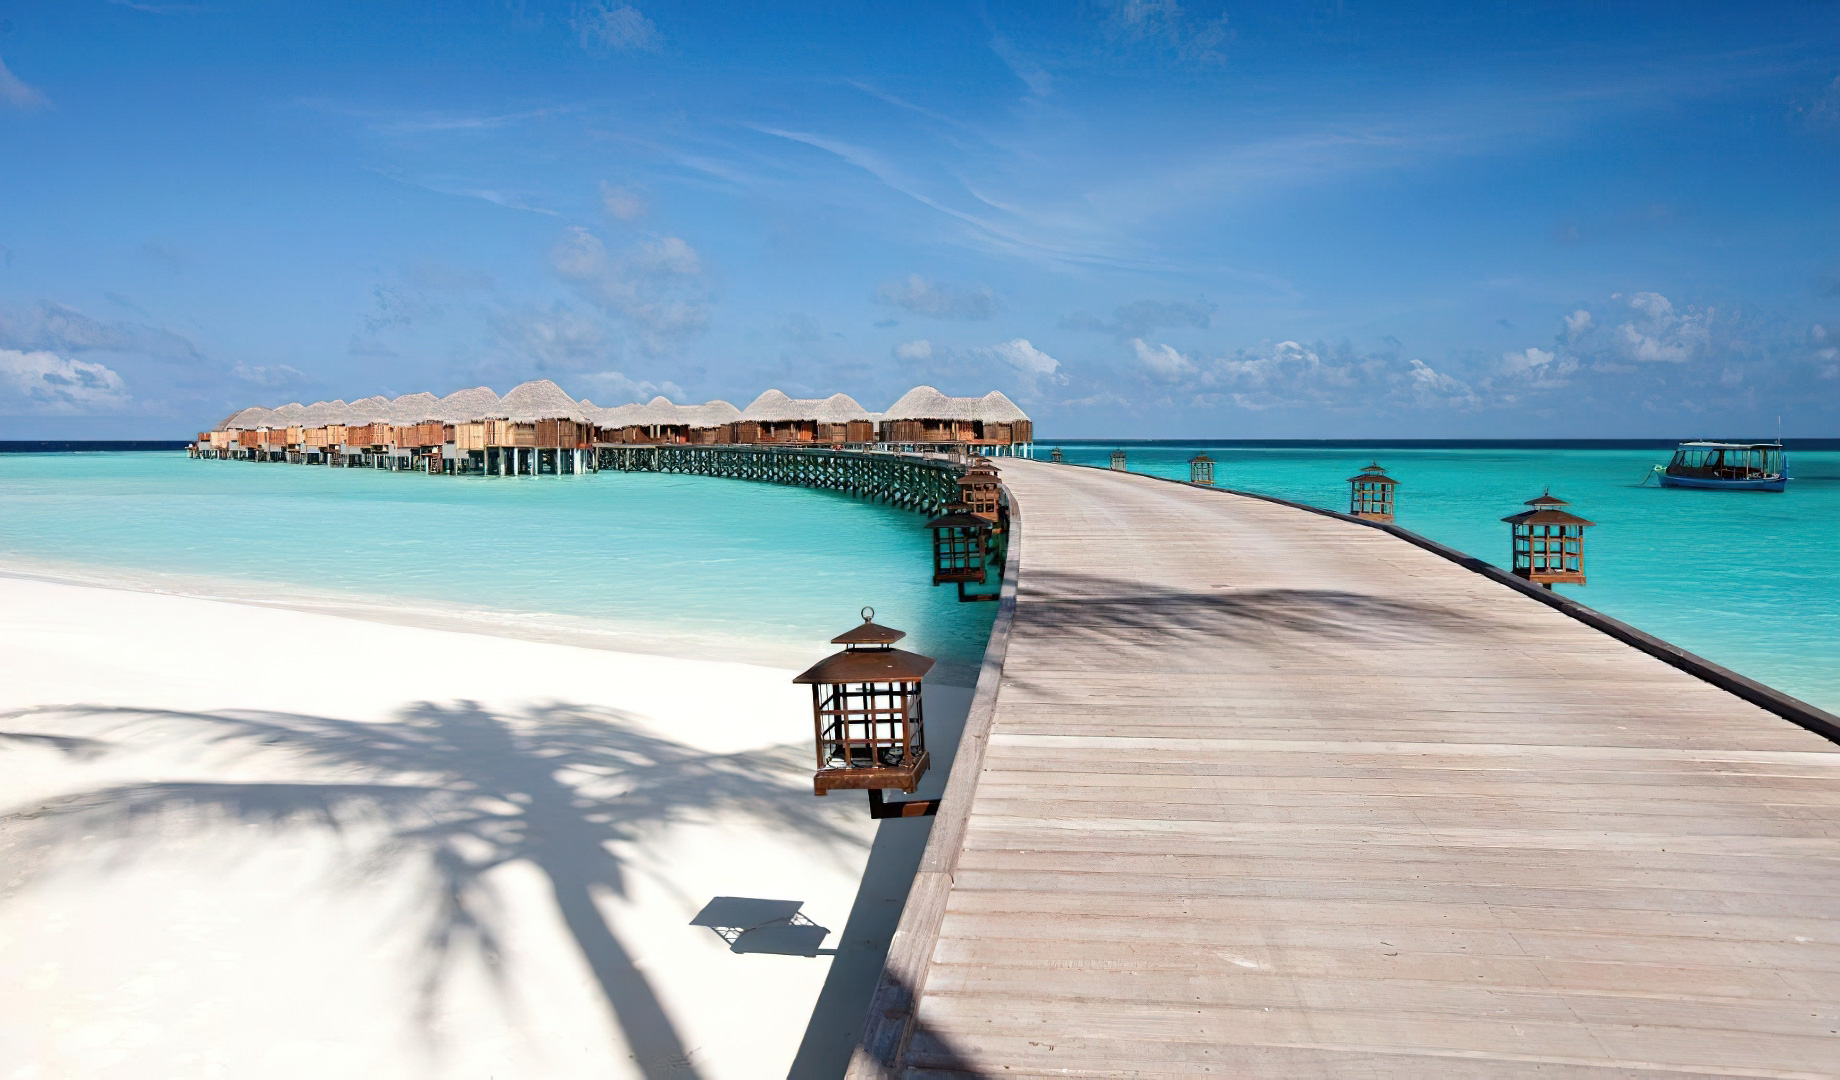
(159, 9)
(607, 25)
(655, 287)
(17, 94)
(508, 200)
(938, 299)
(1030, 73)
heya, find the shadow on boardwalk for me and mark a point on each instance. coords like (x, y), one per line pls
(461, 791)
(1127, 612)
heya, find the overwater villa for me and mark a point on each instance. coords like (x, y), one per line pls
(539, 428)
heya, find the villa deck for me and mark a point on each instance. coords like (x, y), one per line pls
(1270, 793)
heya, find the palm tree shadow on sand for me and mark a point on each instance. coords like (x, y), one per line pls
(465, 791)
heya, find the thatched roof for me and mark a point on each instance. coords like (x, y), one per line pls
(414, 408)
(465, 406)
(661, 411)
(370, 410)
(926, 403)
(544, 400)
(541, 399)
(775, 407)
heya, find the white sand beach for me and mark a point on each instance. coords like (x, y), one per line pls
(240, 841)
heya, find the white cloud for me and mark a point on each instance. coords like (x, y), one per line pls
(607, 388)
(1660, 335)
(1024, 357)
(16, 93)
(1577, 322)
(1526, 360)
(939, 300)
(1031, 74)
(44, 382)
(553, 337)
(277, 376)
(914, 350)
(672, 255)
(655, 288)
(1162, 359)
(622, 203)
(611, 26)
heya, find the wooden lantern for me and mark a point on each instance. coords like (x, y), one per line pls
(1370, 495)
(866, 713)
(1118, 460)
(1548, 543)
(961, 546)
(978, 491)
(1201, 469)
(1056, 456)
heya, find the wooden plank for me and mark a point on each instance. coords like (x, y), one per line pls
(1268, 794)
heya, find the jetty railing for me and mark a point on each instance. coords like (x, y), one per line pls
(911, 481)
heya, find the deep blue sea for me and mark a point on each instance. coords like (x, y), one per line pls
(1750, 580)
(671, 564)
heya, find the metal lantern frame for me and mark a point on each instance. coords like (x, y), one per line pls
(1370, 495)
(868, 716)
(1201, 469)
(1118, 461)
(1057, 456)
(1548, 543)
(961, 546)
(980, 492)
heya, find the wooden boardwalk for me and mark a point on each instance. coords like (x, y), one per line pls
(1268, 793)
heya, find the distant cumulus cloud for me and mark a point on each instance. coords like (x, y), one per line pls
(1163, 360)
(17, 94)
(45, 383)
(622, 203)
(914, 350)
(1022, 356)
(655, 288)
(938, 300)
(549, 338)
(606, 388)
(1661, 335)
(1577, 322)
(606, 25)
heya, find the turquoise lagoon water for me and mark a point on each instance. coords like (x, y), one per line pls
(1750, 580)
(684, 565)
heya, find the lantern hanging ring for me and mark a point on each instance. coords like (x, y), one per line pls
(868, 614)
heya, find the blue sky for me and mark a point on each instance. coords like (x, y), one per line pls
(1139, 219)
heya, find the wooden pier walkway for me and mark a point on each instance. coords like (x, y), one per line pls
(1266, 793)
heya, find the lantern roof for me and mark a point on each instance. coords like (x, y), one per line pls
(1201, 456)
(1373, 474)
(1546, 512)
(878, 665)
(869, 633)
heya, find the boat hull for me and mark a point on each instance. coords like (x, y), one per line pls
(1773, 483)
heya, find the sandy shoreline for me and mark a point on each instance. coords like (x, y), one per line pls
(547, 628)
(246, 840)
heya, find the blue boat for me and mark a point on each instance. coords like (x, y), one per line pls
(1731, 466)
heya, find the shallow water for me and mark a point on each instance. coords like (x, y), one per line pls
(683, 565)
(1750, 580)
